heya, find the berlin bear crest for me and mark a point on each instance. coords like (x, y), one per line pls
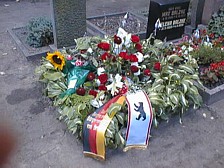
(140, 109)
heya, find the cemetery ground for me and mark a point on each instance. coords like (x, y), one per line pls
(42, 141)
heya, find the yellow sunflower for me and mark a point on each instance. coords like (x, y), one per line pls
(57, 59)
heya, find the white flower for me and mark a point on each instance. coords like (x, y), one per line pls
(146, 56)
(183, 47)
(143, 66)
(139, 56)
(115, 84)
(186, 52)
(126, 37)
(134, 63)
(190, 48)
(96, 103)
(208, 44)
(100, 71)
(90, 50)
(137, 73)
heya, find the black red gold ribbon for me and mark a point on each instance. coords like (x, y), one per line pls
(95, 127)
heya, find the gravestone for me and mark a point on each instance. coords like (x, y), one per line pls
(196, 15)
(210, 7)
(69, 21)
(168, 17)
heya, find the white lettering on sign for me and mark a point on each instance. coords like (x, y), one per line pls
(173, 24)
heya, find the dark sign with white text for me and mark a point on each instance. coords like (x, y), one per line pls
(167, 18)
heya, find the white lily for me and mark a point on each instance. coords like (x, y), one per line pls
(96, 103)
(126, 37)
(115, 84)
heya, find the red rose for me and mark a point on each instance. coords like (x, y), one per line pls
(157, 66)
(117, 39)
(147, 72)
(138, 47)
(135, 39)
(81, 91)
(113, 59)
(214, 66)
(134, 69)
(93, 93)
(124, 55)
(104, 46)
(104, 56)
(102, 88)
(103, 78)
(220, 38)
(83, 51)
(203, 32)
(133, 58)
(212, 35)
(91, 76)
(221, 63)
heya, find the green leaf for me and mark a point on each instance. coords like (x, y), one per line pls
(70, 113)
(183, 100)
(109, 134)
(52, 76)
(168, 89)
(120, 118)
(174, 98)
(174, 58)
(113, 109)
(174, 75)
(187, 68)
(185, 86)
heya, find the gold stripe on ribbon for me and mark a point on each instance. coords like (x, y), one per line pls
(100, 138)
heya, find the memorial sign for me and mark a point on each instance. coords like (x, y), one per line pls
(167, 18)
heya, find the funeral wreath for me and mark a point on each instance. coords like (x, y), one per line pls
(94, 76)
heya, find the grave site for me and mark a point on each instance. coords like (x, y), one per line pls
(93, 83)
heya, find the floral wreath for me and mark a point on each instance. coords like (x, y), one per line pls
(82, 79)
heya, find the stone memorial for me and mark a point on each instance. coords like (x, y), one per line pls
(210, 7)
(167, 18)
(69, 21)
(196, 15)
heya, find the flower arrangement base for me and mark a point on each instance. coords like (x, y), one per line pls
(19, 35)
(211, 96)
(108, 24)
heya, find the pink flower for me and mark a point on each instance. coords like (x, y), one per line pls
(69, 58)
(79, 63)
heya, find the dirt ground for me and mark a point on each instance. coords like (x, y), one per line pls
(43, 141)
